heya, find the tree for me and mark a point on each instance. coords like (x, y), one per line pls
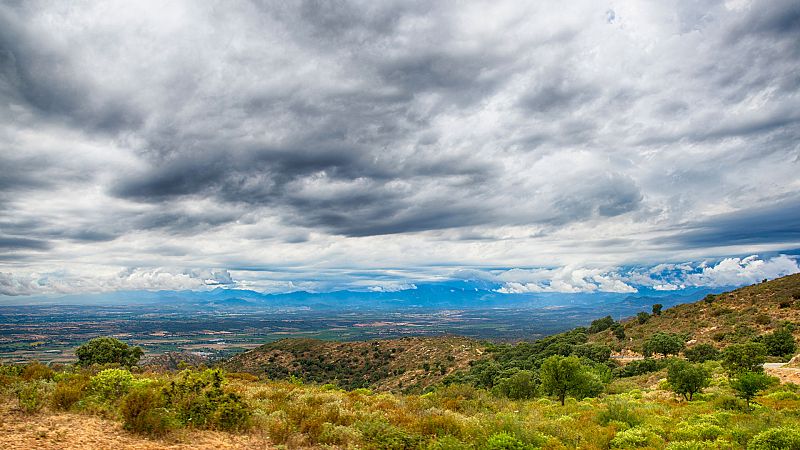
(779, 343)
(664, 343)
(687, 379)
(749, 357)
(701, 353)
(657, 309)
(748, 384)
(106, 350)
(601, 324)
(520, 385)
(618, 330)
(562, 375)
(643, 317)
(596, 352)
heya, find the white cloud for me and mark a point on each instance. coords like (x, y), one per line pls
(741, 271)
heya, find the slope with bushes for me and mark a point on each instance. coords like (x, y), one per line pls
(720, 320)
(407, 364)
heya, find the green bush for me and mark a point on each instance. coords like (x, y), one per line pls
(701, 353)
(31, 396)
(111, 384)
(520, 385)
(619, 411)
(746, 357)
(383, 435)
(635, 437)
(36, 371)
(144, 411)
(687, 379)
(106, 350)
(68, 392)
(200, 401)
(779, 343)
(776, 439)
(601, 325)
(505, 441)
(663, 343)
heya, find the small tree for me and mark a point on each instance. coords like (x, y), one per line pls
(657, 309)
(520, 385)
(749, 357)
(618, 330)
(642, 317)
(106, 350)
(779, 343)
(663, 343)
(562, 375)
(701, 353)
(601, 324)
(687, 379)
(748, 384)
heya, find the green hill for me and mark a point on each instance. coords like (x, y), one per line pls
(720, 320)
(406, 364)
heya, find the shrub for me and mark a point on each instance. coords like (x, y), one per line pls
(601, 324)
(701, 353)
(505, 441)
(520, 385)
(763, 319)
(447, 443)
(642, 317)
(106, 350)
(384, 435)
(199, 400)
(619, 331)
(30, 396)
(640, 367)
(143, 411)
(36, 371)
(776, 439)
(779, 343)
(619, 411)
(687, 379)
(635, 437)
(68, 392)
(664, 343)
(747, 357)
(111, 384)
(710, 298)
(657, 309)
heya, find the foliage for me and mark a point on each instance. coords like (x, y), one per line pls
(505, 441)
(144, 411)
(779, 343)
(687, 379)
(748, 384)
(601, 324)
(640, 367)
(701, 353)
(36, 371)
(664, 343)
(106, 350)
(776, 439)
(68, 392)
(31, 396)
(749, 357)
(562, 376)
(111, 384)
(618, 330)
(642, 317)
(199, 400)
(522, 384)
(657, 309)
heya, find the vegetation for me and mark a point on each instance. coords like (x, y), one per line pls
(739, 358)
(687, 379)
(748, 384)
(664, 343)
(106, 350)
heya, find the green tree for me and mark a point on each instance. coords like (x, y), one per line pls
(642, 317)
(663, 343)
(749, 357)
(687, 379)
(596, 352)
(520, 385)
(748, 384)
(106, 350)
(618, 330)
(657, 309)
(779, 343)
(562, 375)
(601, 324)
(701, 353)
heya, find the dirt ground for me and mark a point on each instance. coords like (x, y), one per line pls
(786, 374)
(55, 430)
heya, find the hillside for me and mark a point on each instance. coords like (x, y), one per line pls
(722, 319)
(407, 364)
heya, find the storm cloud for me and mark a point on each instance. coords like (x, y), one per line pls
(401, 138)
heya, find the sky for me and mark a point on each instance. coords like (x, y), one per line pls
(582, 146)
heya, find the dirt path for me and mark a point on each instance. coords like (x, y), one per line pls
(75, 431)
(786, 374)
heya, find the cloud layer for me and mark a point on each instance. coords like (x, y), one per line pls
(337, 144)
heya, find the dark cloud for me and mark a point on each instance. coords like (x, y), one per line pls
(21, 243)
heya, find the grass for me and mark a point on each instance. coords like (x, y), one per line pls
(630, 413)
